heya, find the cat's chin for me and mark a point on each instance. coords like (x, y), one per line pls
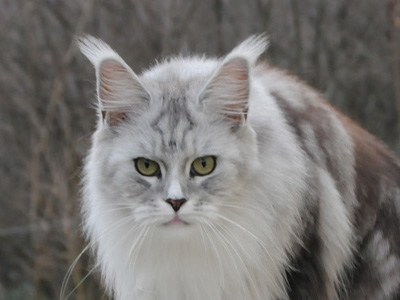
(177, 227)
(176, 221)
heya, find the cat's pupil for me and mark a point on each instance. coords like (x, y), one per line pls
(203, 162)
(147, 164)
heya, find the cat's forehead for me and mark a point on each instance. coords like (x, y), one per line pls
(174, 111)
(175, 116)
(178, 77)
(172, 123)
(177, 127)
(181, 69)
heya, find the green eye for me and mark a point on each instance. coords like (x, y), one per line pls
(202, 166)
(147, 167)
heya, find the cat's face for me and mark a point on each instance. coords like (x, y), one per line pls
(172, 147)
(175, 150)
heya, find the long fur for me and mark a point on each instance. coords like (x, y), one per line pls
(276, 219)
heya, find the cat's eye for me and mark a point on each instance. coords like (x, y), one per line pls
(147, 167)
(202, 166)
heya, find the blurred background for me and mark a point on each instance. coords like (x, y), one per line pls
(348, 49)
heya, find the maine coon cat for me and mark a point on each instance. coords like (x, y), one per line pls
(229, 179)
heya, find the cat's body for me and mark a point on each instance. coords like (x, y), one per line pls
(300, 202)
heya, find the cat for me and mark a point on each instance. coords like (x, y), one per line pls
(230, 179)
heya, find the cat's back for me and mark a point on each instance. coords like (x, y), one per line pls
(365, 173)
(376, 218)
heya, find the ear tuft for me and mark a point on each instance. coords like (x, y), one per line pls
(95, 49)
(251, 48)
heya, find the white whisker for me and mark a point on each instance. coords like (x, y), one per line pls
(237, 245)
(80, 282)
(217, 254)
(140, 247)
(69, 272)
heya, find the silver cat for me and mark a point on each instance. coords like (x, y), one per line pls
(229, 179)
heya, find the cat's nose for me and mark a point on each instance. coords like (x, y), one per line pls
(176, 203)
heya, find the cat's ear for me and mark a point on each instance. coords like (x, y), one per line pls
(227, 92)
(119, 90)
(229, 88)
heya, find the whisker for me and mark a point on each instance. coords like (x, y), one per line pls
(237, 244)
(226, 246)
(140, 247)
(67, 276)
(114, 209)
(69, 272)
(138, 238)
(246, 207)
(123, 221)
(80, 282)
(215, 251)
(200, 227)
(255, 238)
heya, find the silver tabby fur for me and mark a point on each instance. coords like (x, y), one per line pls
(303, 204)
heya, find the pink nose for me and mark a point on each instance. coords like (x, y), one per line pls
(176, 203)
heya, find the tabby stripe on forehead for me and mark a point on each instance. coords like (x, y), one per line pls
(176, 111)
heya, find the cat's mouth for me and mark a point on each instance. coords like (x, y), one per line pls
(176, 221)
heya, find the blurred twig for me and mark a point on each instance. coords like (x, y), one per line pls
(42, 225)
(56, 97)
(17, 16)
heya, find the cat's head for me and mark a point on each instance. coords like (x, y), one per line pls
(172, 145)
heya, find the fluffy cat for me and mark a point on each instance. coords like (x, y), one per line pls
(229, 179)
